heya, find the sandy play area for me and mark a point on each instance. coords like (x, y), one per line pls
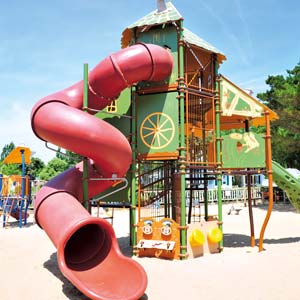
(29, 270)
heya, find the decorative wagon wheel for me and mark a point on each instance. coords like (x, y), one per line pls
(157, 130)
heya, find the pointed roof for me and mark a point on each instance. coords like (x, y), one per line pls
(169, 15)
(237, 106)
(195, 40)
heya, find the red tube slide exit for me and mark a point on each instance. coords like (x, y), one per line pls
(87, 250)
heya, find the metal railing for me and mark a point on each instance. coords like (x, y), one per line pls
(228, 195)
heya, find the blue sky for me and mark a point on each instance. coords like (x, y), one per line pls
(45, 43)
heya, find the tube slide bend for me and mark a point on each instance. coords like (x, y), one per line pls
(87, 250)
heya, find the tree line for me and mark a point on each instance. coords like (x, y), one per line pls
(283, 97)
(37, 168)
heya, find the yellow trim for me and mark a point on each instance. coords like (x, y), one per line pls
(156, 130)
(255, 120)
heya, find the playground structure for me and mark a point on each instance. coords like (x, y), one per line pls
(15, 194)
(185, 133)
(177, 125)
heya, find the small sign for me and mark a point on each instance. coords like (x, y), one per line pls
(156, 244)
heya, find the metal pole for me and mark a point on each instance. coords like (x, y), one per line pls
(270, 178)
(205, 194)
(252, 238)
(182, 151)
(28, 202)
(86, 202)
(1, 176)
(23, 187)
(133, 237)
(219, 160)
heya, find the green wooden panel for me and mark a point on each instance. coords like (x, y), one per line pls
(235, 101)
(157, 123)
(243, 150)
(163, 37)
(113, 113)
(243, 105)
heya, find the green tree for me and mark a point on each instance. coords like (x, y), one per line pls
(284, 98)
(35, 167)
(6, 150)
(11, 169)
(53, 168)
(69, 157)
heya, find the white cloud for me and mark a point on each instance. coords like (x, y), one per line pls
(245, 26)
(229, 32)
(258, 84)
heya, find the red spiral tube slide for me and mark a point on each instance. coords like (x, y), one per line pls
(87, 250)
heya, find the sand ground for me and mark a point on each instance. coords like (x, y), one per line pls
(29, 270)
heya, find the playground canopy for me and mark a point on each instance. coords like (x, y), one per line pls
(238, 106)
(15, 156)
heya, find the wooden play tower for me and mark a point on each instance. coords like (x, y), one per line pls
(181, 132)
